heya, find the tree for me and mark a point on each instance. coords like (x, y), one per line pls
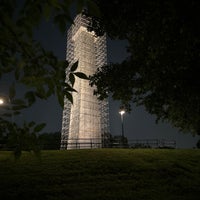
(21, 55)
(162, 71)
(49, 140)
(16, 138)
(198, 144)
(28, 62)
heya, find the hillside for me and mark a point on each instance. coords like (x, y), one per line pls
(114, 174)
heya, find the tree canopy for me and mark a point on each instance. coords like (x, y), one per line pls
(24, 58)
(162, 71)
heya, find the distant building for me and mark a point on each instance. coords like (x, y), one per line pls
(86, 120)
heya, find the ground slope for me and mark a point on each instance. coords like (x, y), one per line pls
(102, 174)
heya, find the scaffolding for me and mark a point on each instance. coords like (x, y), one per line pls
(87, 119)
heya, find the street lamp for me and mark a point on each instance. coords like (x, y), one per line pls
(122, 112)
(5, 100)
(1, 101)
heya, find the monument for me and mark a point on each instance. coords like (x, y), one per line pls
(86, 121)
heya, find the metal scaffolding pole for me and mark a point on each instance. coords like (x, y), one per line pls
(88, 118)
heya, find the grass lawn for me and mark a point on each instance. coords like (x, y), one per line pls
(110, 174)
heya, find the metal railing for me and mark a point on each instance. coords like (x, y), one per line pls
(152, 143)
(82, 143)
(88, 143)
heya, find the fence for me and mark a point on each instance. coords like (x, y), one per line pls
(152, 143)
(98, 143)
(82, 143)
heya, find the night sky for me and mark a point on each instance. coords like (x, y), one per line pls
(137, 125)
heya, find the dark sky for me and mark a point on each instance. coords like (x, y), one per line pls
(137, 125)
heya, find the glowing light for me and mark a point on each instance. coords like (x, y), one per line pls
(121, 112)
(1, 101)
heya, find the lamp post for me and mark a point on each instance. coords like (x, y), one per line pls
(122, 112)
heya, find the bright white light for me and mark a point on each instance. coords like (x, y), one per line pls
(121, 112)
(1, 101)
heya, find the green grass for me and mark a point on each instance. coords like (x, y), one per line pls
(111, 174)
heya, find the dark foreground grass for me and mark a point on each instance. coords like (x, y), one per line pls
(111, 174)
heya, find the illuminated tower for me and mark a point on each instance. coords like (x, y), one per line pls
(85, 122)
